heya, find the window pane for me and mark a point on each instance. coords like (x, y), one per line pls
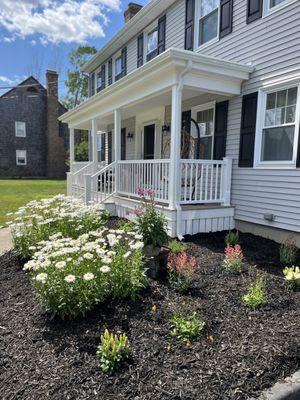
(277, 144)
(270, 117)
(207, 6)
(206, 148)
(271, 101)
(274, 3)
(208, 28)
(99, 80)
(290, 115)
(152, 41)
(205, 121)
(292, 97)
(281, 98)
(118, 66)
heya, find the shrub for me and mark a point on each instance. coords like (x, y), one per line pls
(152, 224)
(233, 259)
(288, 251)
(177, 247)
(38, 220)
(114, 349)
(71, 276)
(187, 326)
(127, 226)
(292, 277)
(232, 238)
(256, 296)
(181, 271)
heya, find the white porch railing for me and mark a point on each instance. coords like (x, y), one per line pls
(101, 185)
(145, 174)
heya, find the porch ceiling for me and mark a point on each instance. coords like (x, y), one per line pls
(153, 81)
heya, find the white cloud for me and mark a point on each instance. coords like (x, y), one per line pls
(6, 81)
(56, 21)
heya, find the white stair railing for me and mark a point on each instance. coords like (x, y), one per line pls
(100, 186)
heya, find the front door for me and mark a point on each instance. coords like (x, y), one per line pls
(149, 142)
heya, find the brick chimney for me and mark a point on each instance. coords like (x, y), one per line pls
(132, 9)
(56, 153)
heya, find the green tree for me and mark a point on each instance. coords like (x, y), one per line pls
(77, 82)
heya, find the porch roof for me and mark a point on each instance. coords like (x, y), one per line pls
(196, 72)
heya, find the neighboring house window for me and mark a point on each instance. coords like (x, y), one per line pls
(21, 157)
(277, 128)
(205, 117)
(208, 20)
(118, 68)
(20, 129)
(152, 43)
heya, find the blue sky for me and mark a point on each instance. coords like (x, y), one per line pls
(38, 34)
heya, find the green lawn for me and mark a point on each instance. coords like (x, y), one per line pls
(16, 193)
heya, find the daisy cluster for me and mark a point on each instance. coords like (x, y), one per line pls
(71, 276)
(38, 220)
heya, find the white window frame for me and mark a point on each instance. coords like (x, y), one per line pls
(197, 45)
(204, 107)
(267, 10)
(18, 156)
(23, 124)
(147, 37)
(119, 55)
(261, 109)
(146, 32)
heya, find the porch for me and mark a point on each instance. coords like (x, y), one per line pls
(140, 137)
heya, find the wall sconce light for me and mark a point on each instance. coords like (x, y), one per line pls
(130, 136)
(166, 128)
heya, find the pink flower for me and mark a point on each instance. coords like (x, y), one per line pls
(182, 263)
(140, 191)
(233, 252)
(139, 212)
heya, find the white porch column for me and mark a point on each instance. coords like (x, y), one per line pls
(72, 150)
(174, 184)
(117, 142)
(226, 179)
(95, 145)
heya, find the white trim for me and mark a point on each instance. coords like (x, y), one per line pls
(267, 10)
(197, 46)
(23, 125)
(261, 108)
(18, 156)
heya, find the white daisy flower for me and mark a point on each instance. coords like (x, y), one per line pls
(41, 277)
(88, 276)
(88, 256)
(105, 269)
(70, 278)
(60, 265)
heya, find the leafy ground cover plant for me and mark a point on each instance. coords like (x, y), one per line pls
(288, 251)
(38, 220)
(177, 247)
(292, 277)
(181, 271)
(127, 226)
(71, 276)
(113, 351)
(187, 326)
(256, 295)
(232, 238)
(233, 259)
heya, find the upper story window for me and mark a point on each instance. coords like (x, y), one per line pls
(257, 9)
(277, 130)
(20, 129)
(208, 20)
(21, 157)
(152, 41)
(99, 81)
(118, 68)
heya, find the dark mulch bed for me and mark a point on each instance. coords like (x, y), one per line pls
(241, 353)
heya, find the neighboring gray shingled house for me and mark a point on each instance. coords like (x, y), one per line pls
(33, 143)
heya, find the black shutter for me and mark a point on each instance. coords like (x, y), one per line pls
(248, 128)
(123, 144)
(140, 50)
(92, 84)
(162, 34)
(124, 61)
(226, 17)
(254, 10)
(103, 76)
(220, 137)
(110, 72)
(189, 24)
(109, 147)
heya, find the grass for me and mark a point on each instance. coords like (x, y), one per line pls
(16, 193)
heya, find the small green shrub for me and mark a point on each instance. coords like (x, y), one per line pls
(256, 296)
(186, 326)
(232, 238)
(288, 252)
(233, 259)
(127, 226)
(177, 247)
(39, 220)
(181, 271)
(113, 351)
(292, 277)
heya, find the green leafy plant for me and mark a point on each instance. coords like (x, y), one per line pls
(181, 271)
(39, 220)
(232, 238)
(177, 247)
(71, 276)
(186, 326)
(113, 351)
(256, 295)
(292, 277)
(233, 259)
(288, 251)
(127, 226)
(152, 224)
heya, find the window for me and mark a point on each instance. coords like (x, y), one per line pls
(274, 5)
(208, 20)
(278, 129)
(152, 41)
(205, 117)
(101, 147)
(20, 129)
(21, 157)
(118, 67)
(99, 80)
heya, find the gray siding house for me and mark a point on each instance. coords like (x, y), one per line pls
(33, 143)
(198, 100)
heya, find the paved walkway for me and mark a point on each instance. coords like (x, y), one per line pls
(5, 240)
